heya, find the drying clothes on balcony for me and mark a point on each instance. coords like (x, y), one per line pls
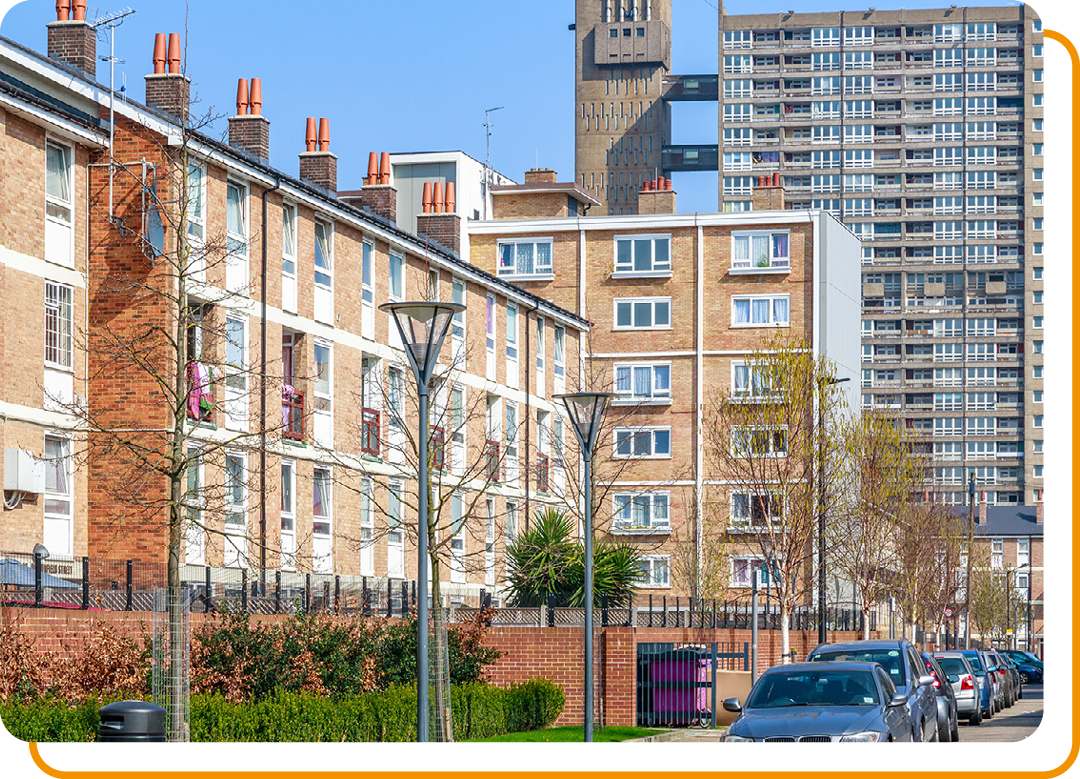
(201, 396)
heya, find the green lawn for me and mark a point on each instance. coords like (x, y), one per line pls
(570, 734)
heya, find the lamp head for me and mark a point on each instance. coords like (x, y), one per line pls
(422, 326)
(586, 409)
(41, 551)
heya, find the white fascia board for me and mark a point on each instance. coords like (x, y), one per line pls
(641, 222)
(55, 123)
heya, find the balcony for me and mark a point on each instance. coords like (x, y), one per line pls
(370, 420)
(292, 415)
(491, 460)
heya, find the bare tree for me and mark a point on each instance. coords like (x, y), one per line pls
(700, 548)
(989, 598)
(762, 439)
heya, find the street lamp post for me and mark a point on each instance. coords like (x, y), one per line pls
(586, 409)
(422, 326)
(821, 506)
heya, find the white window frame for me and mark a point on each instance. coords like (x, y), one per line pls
(59, 308)
(324, 399)
(395, 529)
(489, 542)
(641, 304)
(236, 515)
(657, 521)
(323, 563)
(512, 316)
(658, 393)
(754, 565)
(289, 259)
(625, 268)
(60, 230)
(235, 385)
(194, 534)
(458, 292)
(632, 436)
(538, 271)
(771, 451)
(656, 573)
(773, 261)
(559, 361)
(59, 524)
(773, 320)
(237, 243)
(288, 514)
(457, 540)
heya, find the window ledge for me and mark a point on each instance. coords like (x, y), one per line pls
(654, 587)
(751, 326)
(633, 402)
(639, 329)
(527, 277)
(756, 271)
(204, 425)
(641, 457)
(641, 274)
(293, 442)
(640, 531)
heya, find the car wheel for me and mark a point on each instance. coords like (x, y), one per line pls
(976, 718)
(1025, 677)
(989, 713)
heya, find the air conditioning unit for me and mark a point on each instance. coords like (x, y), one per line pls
(23, 472)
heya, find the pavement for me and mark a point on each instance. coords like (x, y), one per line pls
(1013, 724)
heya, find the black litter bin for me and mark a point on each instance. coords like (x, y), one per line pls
(131, 721)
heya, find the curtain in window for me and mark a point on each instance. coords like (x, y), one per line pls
(57, 173)
(780, 246)
(322, 370)
(742, 312)
(641, 511)
(662, 380)
(234, 211)
(742, 378)
(740, 572)
(760, 310)
(543, 257)
(660, 511)
(525, 258)
(742, 249)
(759, 251)
(622, 380)
(506, 257)
(643, 382)
(321, 493)
(780, 310)
(56, 472)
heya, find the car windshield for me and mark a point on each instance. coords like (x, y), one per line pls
(952, 665)
(890, 660)
(814, 688)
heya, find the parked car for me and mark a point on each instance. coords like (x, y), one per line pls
(1009, 679)
(807, 702)
(964, 683)
(906, 670)
(987, 684)
(996, 677)
(947, 726)
(1029, 666)
(1013, 675)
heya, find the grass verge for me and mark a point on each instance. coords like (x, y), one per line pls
(571, 734)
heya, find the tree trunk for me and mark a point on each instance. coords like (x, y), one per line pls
(785, 632)
(440, 677)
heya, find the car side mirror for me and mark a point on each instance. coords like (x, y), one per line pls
(926, 679)
(954, 678)
(898, 699)
(733, 705)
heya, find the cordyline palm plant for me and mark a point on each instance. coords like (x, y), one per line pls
(545, 560)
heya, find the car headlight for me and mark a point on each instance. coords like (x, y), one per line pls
(731, 737)
(865, 736)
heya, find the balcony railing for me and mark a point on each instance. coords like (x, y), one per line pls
(438, 448)
(543, 470)
(370, 420)
(491, 460)
(292, 415)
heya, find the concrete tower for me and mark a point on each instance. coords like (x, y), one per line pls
(622, 121)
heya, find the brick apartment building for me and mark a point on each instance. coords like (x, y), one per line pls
(922, 131)
(676, 306)
(295, 390)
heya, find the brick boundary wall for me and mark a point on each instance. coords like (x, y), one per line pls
(556, 654)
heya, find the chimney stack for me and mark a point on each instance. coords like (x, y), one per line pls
(540, 176)
(656, 197)
(71, 39)
(250, 131)
(318, 165)
(768, 194)
(438, 221)
(980, 515)
(1039, 513)
(377, 195)
(167, 89)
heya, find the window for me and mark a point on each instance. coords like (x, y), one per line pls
(737, 136)
(737, 160)
(640, 254)
(981, 31)
(457, 429)
(528, 257)
(324, 265)
(395, 535)
(737, 39)
(759, 310)
(859, 85)
(738, 112)
(511, 441)
(825, 85)
(759, 442)
(560, 359)
(761, 250)
(236, 223)
(825, 36)
(288, 514)
(489, 543)
(737, 63)
(236, 371)
(322, 518)
(749, 510)
(288, 257)
(859, 158)
(59, 204)
(1037, 420)
(58, 325)
(457, 539)
(825, 109)
(58, 497)
(324, 389)
(997, 552)
(642, 313)
(643, 383)
(655, 571)
(643, 442)
(738, 88)
(196, 208)
(826, 60)
(744, 568)
(641, 511)
(511, 332)
(457, 325)
(236, 493)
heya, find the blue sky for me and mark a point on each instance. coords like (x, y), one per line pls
(407, 75)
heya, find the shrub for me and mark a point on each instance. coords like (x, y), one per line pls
(479, 711)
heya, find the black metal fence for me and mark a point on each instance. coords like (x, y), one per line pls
(676, 683)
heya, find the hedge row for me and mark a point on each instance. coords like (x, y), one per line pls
(479, 711)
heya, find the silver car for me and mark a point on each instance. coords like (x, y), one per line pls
(808, 702)
(906, 669)
(965, 685)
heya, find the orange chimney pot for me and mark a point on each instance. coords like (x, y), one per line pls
(450, 199)
(159, 53)
(174, 51)
(438, 198)
(79, 10)
(324, 134)
(372, 177)
(63, 10)
(242, 97)
(384, 168)
(256, 96)
(427, 197)
(309, 138)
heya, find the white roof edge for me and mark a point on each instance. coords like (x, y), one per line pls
(644, 221)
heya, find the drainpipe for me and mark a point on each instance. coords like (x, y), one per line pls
(262, 401)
